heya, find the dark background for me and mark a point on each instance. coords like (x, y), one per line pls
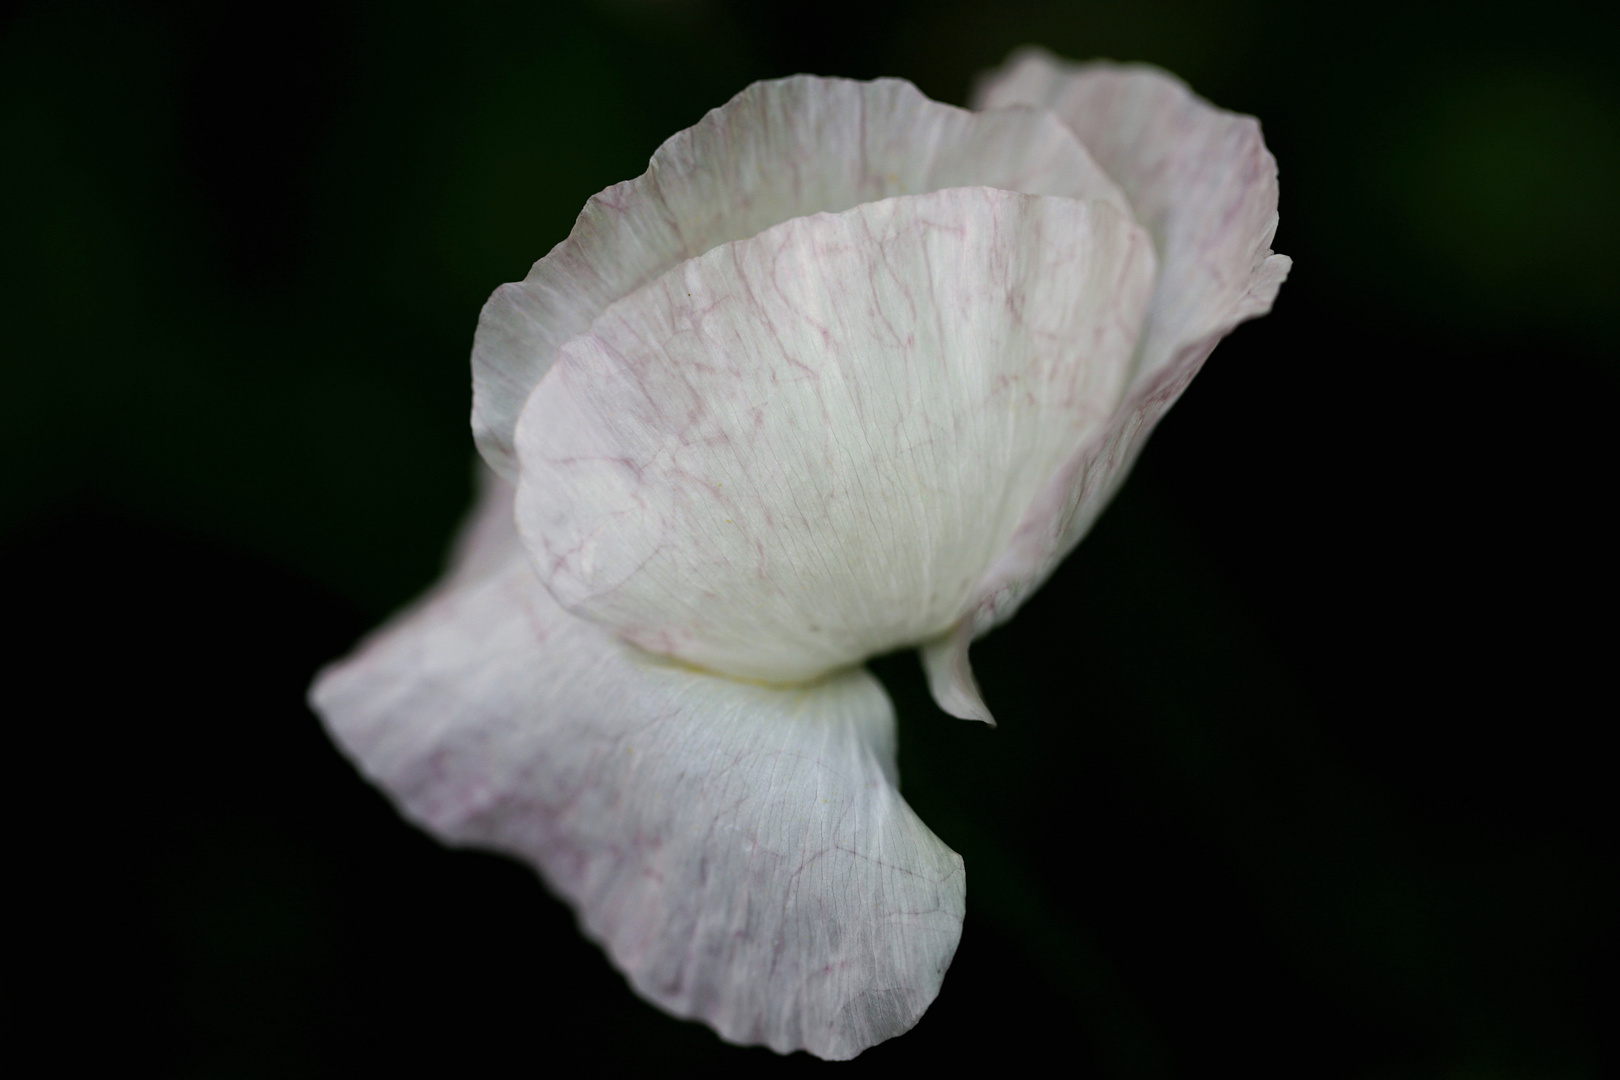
(1298, 771)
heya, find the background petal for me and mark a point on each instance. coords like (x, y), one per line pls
(742, 853)
(805, 448)
(1203, 183)
(1199, 178)
(778, 150)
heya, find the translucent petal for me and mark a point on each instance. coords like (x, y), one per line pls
(1202, 182)
(778, 150)
(1199, 178)
(804, 448)
(742, 853)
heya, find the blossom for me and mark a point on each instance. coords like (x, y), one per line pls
(846, 370)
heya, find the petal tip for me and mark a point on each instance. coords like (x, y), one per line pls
(950, 676)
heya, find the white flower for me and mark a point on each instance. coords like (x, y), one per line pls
(845, 370)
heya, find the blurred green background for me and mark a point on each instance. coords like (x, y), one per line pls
(1299, 769)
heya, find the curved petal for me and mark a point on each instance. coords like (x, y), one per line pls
(1199, 178)
(742, 853)
(805, 448)
(776, 151)
(1202, 182)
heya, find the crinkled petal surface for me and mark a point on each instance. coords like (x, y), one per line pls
(741, 852)
(778, 150)
(1202, 182)
(805, 448)
(1199, 178)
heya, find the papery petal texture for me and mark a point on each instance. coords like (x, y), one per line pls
(741, 852)
(804, 448)
(1199, 178)
(778, 150)
(1203, 183)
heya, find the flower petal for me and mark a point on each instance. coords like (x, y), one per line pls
(1202, 182)
(1199, 178)
(741, 852)
(950, 675)
(805, 448)
(776, 151)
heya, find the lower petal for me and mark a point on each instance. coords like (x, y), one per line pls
(741, 852)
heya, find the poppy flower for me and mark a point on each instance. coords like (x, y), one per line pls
(846, 370)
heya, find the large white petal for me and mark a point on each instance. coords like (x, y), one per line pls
(776, 151)
(741, 852)
(804, 448)
(1202, 182)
